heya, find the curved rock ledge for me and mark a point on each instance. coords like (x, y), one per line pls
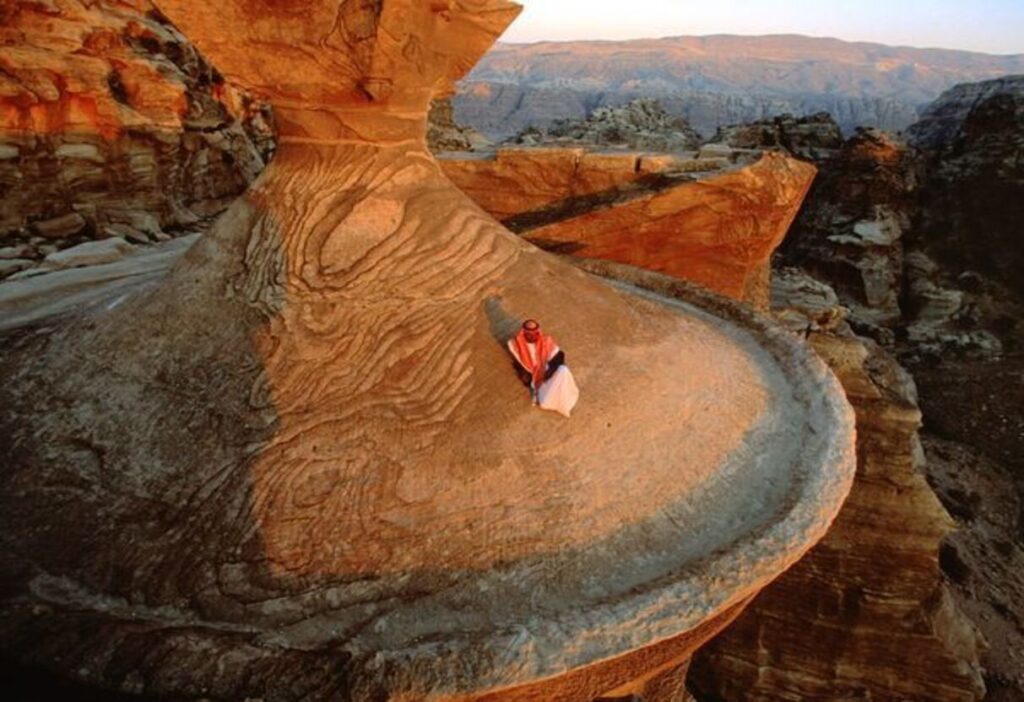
(693, 584)
(707, 219)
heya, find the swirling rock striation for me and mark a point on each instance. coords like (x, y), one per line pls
(302, 468)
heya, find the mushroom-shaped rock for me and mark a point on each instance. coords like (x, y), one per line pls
(302, 466)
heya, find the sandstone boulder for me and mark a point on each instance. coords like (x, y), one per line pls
(91, 253)
(718, 230)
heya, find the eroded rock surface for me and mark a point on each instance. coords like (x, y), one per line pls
(302, 467)
(444, 134)
(718, 229)
(866, 614)
(112, 124)
(971, 194)
(815, 137)
(852, 233)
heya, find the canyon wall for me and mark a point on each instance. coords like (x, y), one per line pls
(971, 139)
(112, 125)
(866, 615)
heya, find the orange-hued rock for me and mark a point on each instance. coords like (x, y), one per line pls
(719, 230)
(302, 466)
(109, 114)
(515, 182)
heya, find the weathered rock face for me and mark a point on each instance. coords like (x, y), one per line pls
(815, 138)
(641, 124)
(718, 230)
(851, 233)
(942, 122)
(972, 195)
(865, 615)
(314, 474)
(112, 124)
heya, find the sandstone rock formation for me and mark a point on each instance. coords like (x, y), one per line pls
(301, 468)
(112, 124)
(639, 125)
(719, 230)
(865, 615)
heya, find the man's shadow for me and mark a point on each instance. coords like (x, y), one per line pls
(502, 324)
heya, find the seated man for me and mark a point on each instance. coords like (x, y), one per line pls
(541, 366)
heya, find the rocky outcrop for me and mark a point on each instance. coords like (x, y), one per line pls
(852, 232)
(945, 120)
(866, 614)
(112, 124)
(658, 212)
(639, 125)
(445, 135)
(815, 138)
(303, 467)
(972, 194)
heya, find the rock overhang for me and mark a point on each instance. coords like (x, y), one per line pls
(324, 359)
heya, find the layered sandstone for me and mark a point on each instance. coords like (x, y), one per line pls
(314, 475)
(718, 229)
(866, 615)
(112, 124)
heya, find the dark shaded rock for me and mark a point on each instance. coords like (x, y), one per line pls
(866, 614)
(972, 195)
(851, 231)
(814, 138)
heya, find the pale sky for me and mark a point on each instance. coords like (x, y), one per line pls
(992, 26)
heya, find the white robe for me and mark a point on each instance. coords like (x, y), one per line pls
(560, 392)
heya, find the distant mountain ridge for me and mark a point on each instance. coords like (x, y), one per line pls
(717, 80)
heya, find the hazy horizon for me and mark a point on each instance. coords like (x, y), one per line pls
(986, 26)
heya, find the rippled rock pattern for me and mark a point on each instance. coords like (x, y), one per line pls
(302, 466)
